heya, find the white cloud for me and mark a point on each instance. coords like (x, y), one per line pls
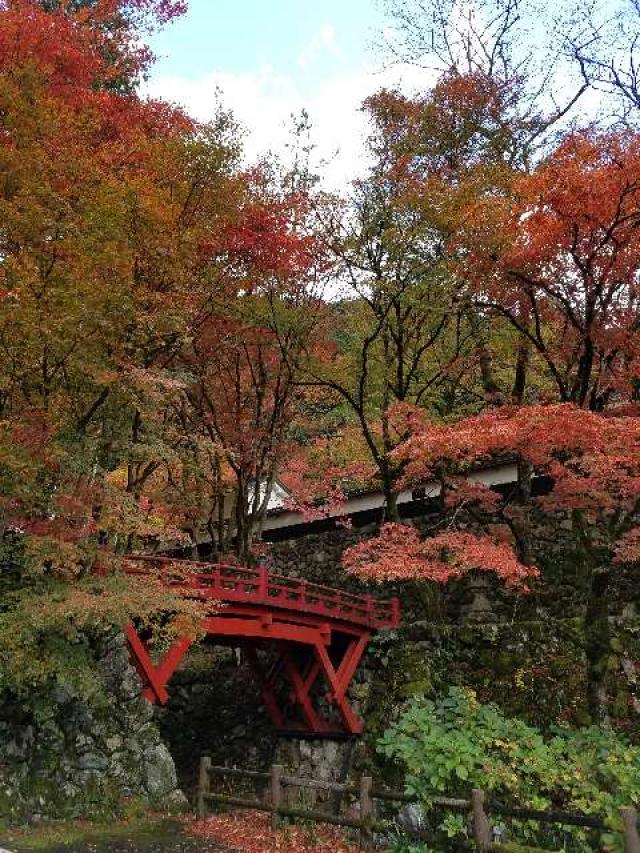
(322, 43)
(264, 101)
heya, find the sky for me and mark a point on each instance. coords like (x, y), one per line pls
(269, 59)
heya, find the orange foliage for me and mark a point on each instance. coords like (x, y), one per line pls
(594, 463)
(101, 269)
(559, 258)
(320, 474)
(76, 45)
(398, 553)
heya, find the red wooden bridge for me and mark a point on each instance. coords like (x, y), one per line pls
(310, 633)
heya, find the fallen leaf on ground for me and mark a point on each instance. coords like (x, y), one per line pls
(250, 832)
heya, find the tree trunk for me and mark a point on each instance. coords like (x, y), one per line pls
(242, 522)
(522, 529)
(490, 386)
(597, 646)
(390, 504)
(585, 369)
(520, 378)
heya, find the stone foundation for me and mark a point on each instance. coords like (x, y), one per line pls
(325, 760)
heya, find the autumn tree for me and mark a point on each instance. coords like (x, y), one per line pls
(559, 260)
(593, 463)
(467, 138)
(399, 332)
(413, 329)
(533, 85)
(245, 357)
(544, 240)
(503, 42)
(106, 201)
(603, 45)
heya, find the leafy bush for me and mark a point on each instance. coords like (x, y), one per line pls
(456, 744)
(47, 627)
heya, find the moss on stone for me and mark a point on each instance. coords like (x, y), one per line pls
(533, 670)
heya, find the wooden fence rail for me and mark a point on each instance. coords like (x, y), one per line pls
(477, 806)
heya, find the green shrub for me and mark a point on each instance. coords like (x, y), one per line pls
(455, 744)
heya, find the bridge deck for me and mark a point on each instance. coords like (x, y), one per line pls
(318, 634)
(229, 584)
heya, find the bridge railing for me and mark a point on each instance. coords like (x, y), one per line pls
(241, 584)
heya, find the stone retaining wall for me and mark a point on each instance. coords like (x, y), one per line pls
(77, 760)
(561, 590)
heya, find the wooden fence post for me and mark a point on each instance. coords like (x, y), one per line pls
(631, 837)
(276, 794)
(366, 812)
(481, 827)
(203, 786)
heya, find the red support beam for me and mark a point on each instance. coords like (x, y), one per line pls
(311, 675)
(230, 626)
(170, 661)
(297, 618)
(266, 687)
(352, 723)
(154, 688)
(155, 678)
(349, 664)
(313, 721)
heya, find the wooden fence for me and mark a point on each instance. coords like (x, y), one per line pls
(276, 782)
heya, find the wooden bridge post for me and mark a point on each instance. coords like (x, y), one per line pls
(366, 812)
(370, 607)
(263, 582)
(631, 837)
(204, 783)
(481, 826)
(276, 794)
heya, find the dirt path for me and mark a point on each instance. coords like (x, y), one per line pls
(167, 845)
(227, 832)
(166, 836)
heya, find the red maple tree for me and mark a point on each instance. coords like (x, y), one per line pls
(247, 352)
(592, 461)
(558, 258)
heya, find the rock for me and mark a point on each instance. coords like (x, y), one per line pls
(159, 771)
(144, 711)
(61, 695)
(113, 743)
(53, 768)
(70, 791)
(412, 818)
(92, 761)
(19, 746)
(176, 802)
(83, 743)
